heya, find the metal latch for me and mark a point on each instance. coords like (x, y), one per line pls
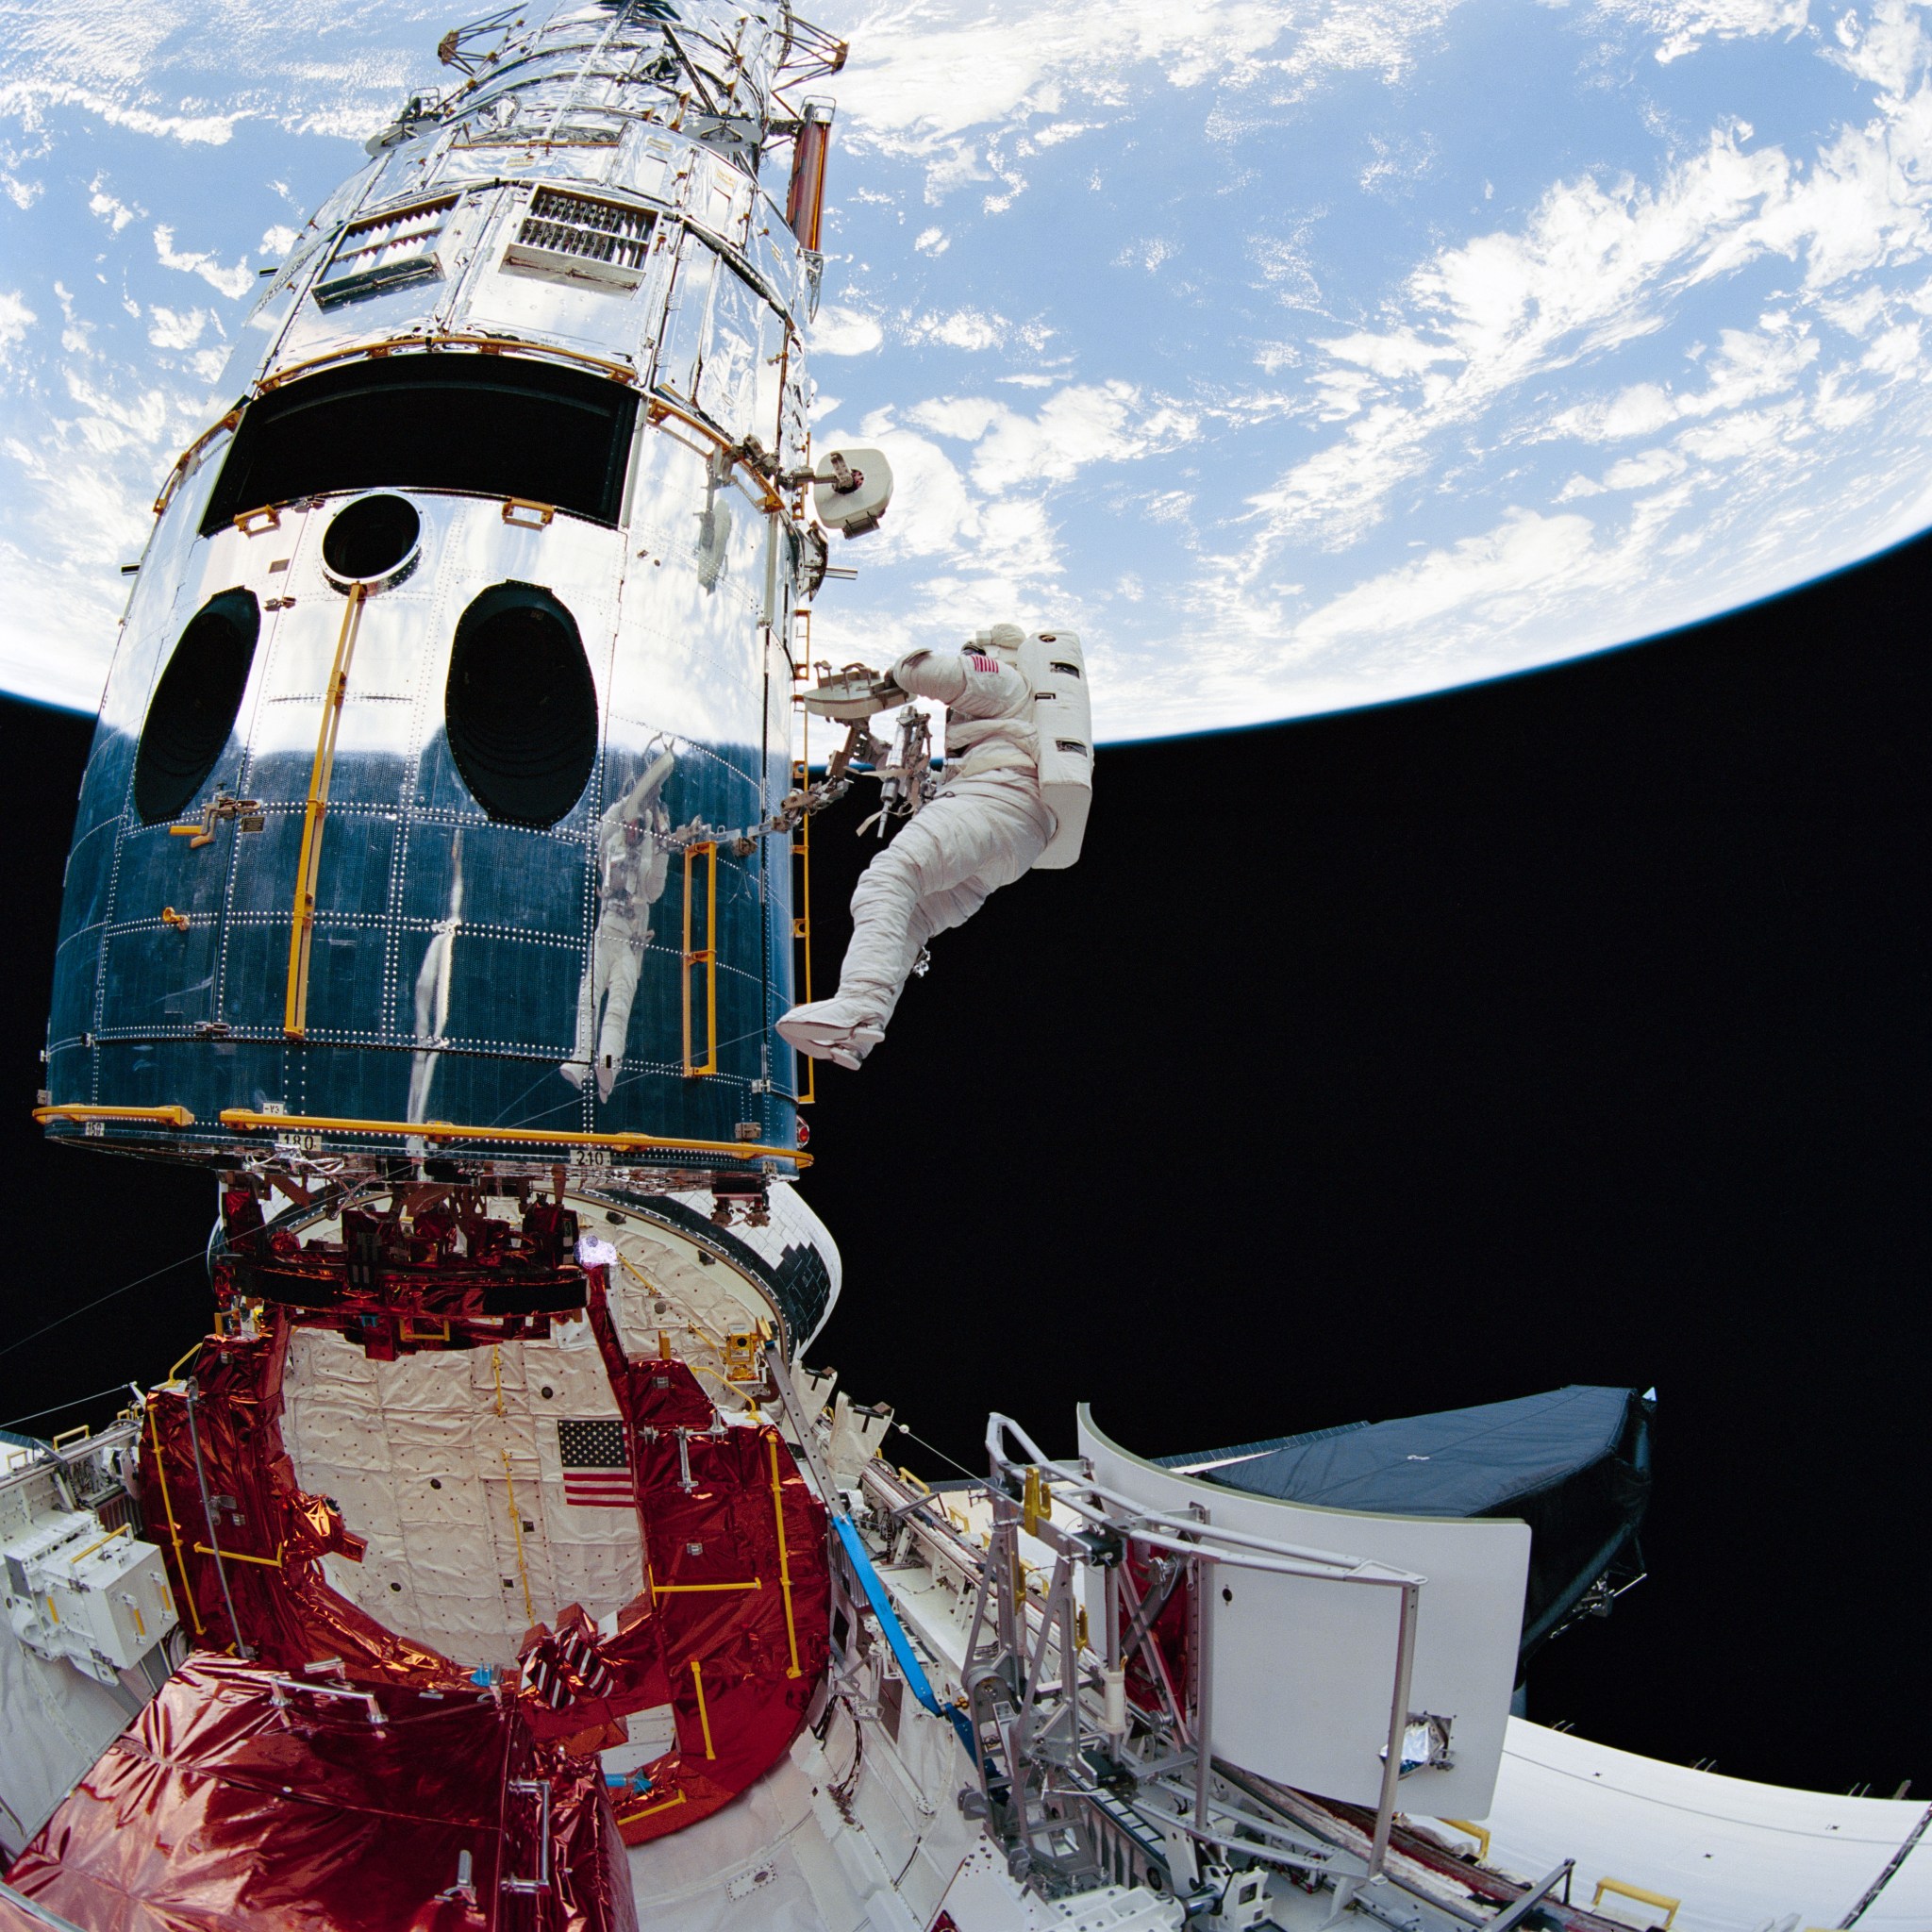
(220, 807)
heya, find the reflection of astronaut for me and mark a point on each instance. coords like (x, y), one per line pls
(985, 827)
(634, 843)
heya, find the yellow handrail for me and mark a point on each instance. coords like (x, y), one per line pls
(302, 929)
(662, 1804)
(184, 461)
(250, 1118)
(784, 1556)
(443, 338)
(705, 955)
(697, 1678)
(100, 1543)
(516, 1527)
(659, 406)
(688, 1588)
(77, 1434)
(273, 1562)
(801, 920)
(167, 1510)
(1665, 1905)
(1477, 1832)
(148, 1116)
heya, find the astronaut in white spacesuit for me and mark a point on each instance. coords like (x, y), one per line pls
(984, 828)
(634, 845)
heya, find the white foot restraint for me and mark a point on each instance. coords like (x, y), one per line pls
(837, 1030)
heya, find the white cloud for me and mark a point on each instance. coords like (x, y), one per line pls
(1889, 52)
(934, 79)
(23, 195)
(1641, 471)
(16, 318)
(1601, 264)
(1681, 27)
(932, 242)
(959, 329)
(1398, 354)
(1146, 255)
(28, 101)
(965, 418)
(1398, 165)
(1495, 578)
(1750, 435)
(232, 282)
(1747, 366)
(115, 212)
(841, 331)
(277, 242)
(176, 330)
(1079, 424)
(1895, 353)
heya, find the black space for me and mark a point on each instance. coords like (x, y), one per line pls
(1569, 1029)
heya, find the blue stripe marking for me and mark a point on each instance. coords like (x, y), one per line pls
(897, 1639)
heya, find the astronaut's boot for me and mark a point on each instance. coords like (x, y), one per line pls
(842, 1030)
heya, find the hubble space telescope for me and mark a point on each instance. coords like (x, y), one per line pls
(430, 886)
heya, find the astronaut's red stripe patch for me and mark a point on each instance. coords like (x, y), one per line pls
(975, 663)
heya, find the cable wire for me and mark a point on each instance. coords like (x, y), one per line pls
(127, 1288)
(113, 1389)
(940, 1453)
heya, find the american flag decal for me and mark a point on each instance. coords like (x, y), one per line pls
(596, 1471)
(978, 664)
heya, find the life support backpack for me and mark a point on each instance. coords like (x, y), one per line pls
(1063, 710)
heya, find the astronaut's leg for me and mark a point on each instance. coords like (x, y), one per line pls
(607, 946)
(615, 1033)
(977, 835)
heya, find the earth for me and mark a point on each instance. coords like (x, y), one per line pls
(1301, 354)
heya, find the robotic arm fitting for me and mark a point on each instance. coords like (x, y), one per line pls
(854, 696)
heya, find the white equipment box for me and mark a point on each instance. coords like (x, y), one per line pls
(98, 1598)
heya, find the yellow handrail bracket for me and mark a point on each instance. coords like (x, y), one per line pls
(1658, 1901)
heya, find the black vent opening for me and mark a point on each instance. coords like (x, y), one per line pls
(521, 707)
(483, 425)
(195, 707)
(367, 543)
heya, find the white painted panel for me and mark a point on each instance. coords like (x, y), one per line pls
(413, 1450)
(1739, 1854)
(54, 1722)
(1303, 1671)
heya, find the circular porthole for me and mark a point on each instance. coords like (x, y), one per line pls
(520, 708)
(194, 706)
(373, 542)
